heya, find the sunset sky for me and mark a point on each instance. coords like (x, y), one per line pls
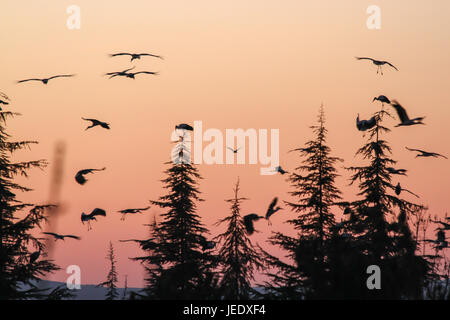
(230, 64)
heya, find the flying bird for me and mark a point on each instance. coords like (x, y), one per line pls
(382, 99)
(396, 171)
(132, 211)
(61, 236)
(403, 116)
(271, 209)
(426, 153)
(96, 122)
(127, 74)
(248, 222)
(378, 63)
(46, 80)
(184, 126)
(234, 150)
(135, 55)
(118, 73)
(364, 125)
(399, 189)
(91, 216)
(280, 170)
(34, 256)
(79, 177)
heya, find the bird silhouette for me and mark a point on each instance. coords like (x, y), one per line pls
(234, 150)
(79, 177)
(135, 55)
(132, 211)
(34, 256)
(378, 63)
(399, 189)
(364, 125)
(280, 170)
(396, 171)
(403, 116)
(184, 126)
(271, 209)
(96, 122)
(127, 74)
(61, 236)
(91, 217)
(248, 222)
(382, 99)
(46, 80)
(426, 153)
(118, 73)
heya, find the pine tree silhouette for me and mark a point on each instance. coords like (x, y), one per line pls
(111, 280)
(380, 228)
(315, 193)
(239, 259)
(22, 255)
(176, 265)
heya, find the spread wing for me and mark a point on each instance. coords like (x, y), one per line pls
(61, 76)
(120, 54)
(51, 234)
(34, 79)
(417, 150)
(151, 55)
(146, 72)
(71, 236)
(364, 58)
(391, 65)
(98, 212)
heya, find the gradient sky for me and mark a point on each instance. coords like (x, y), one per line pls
(231, 64)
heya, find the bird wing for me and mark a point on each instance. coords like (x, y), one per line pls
(146, 72)
(34, 79)
(364, 58)
(151, 55)
(400, 111)
(92, 120)
(61, 76)
(230, 149)
(70, 236)
(98, 212)
(127, 70)
(417, 150)
(121, 54)
(438, 155)
(391, 65)
(51, 233)
(411, 193)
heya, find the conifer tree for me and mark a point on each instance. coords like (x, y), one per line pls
(177, 267)
(380, 229)
(22, 255)
(306, 275)
(111, 279)
(239, 259)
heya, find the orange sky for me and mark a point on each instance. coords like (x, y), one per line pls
(230, 64)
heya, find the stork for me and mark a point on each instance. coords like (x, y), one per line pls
(62, 236)
(234, 150)
(95, 122)
(382, 99)
(396, 171)
(132, 211)
(403, 116)
(79, 177)
(46, 80)
(364, 125)
(280, 170)
(135, 55)
(248, 222)
(378, 63)
(426, 154)
(91, 216)
(271, 209)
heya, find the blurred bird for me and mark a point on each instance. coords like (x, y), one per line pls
(234, 150)
(96, 122)
(118, 73)
(79, 177)
(132, 211)
(426, 153)
(396, 171)
(271, 209)
(280, 170)
(61, 236)
(378, 63)
(91, 216)
(133, 74)
(399, 189)
(382, 99)
(364, 125)
(248, 222)
(46, 80)
(184, 126)
(135, 55)
(403, 116)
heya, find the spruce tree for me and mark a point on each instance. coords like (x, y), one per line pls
(306, 274)
(111, 279)
(22, 255)
(177, 267)
(239, 259)
(380, 229)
